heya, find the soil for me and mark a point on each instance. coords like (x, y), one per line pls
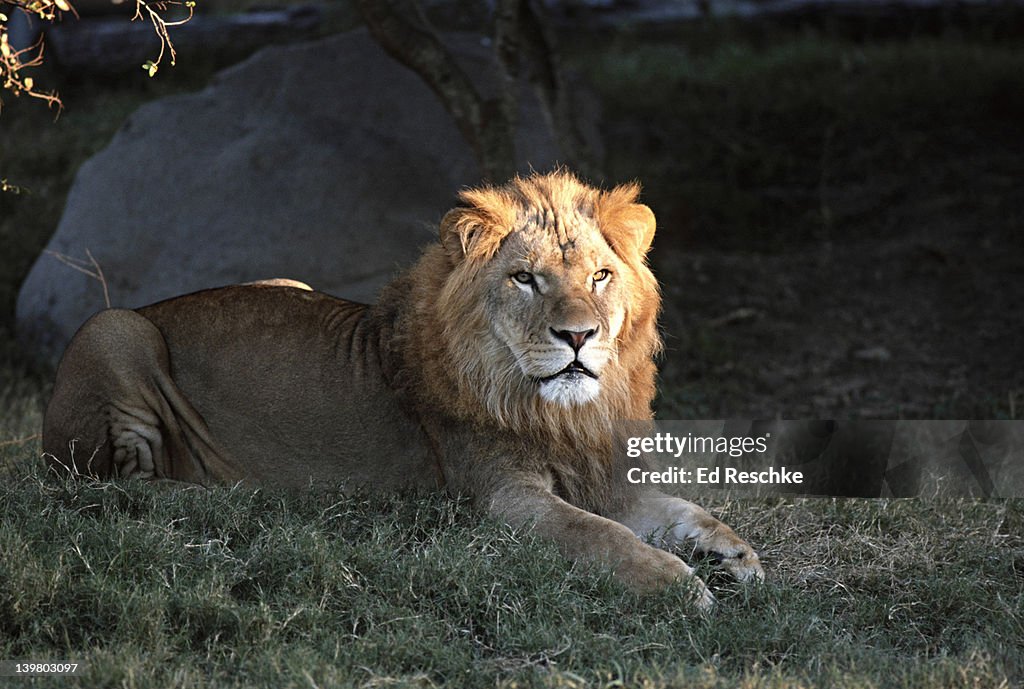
(929, 325)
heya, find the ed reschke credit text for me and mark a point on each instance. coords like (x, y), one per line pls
(674, 446)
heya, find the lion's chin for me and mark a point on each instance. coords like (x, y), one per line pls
(570, 389)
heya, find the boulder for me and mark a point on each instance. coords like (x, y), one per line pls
(327, 162)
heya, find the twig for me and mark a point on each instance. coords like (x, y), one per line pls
(160, 26)
(743, 313)
(6, 186)
(21, 441)
(13, 61)
(80, 265)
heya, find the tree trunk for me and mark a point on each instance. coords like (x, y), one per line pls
(402, 29)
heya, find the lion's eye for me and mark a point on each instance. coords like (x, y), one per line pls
(523, 277)
(602, 275)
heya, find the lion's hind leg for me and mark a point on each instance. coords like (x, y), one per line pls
(116, 411)
(136, 437)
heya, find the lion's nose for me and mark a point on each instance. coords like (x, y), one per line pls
(574, 338)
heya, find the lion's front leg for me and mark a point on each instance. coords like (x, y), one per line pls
(584, 536)
(668, 522)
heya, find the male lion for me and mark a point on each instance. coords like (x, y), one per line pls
(493, 368)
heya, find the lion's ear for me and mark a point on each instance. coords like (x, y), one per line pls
(640, 223)
(458, 227)
(628, 226)
(469, 232)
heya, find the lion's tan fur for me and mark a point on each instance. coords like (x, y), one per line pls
(285, 386)
(628, 386)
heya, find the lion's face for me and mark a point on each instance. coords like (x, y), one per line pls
(549, 300)
(557, 305)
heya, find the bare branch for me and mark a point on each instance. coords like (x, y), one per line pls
(21, 441)
(15, 62)
(82, 266)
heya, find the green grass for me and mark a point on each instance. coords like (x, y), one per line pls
(747, 145)
(148, 585)
(151, 585)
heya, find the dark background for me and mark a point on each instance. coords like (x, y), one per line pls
(839, 195)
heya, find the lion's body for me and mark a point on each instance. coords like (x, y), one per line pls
(494, 368)
(310, 345)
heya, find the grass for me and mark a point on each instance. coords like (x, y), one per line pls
(151, 586)
(744, 145)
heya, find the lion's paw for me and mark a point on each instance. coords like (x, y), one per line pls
(703, 600)
(739, 560)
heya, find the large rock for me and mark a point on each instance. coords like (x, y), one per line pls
(327, 162)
